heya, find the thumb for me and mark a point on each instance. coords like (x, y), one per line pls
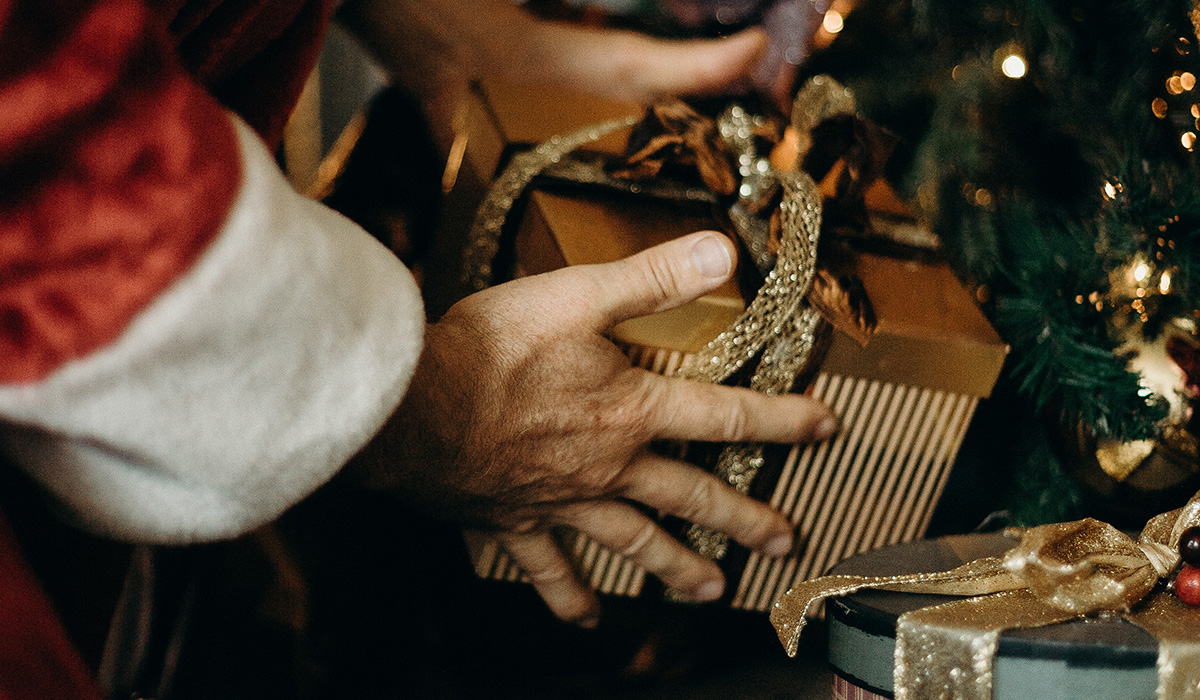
(660, 278)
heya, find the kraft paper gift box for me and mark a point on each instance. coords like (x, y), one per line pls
(905, 397)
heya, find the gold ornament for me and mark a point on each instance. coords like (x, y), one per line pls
(1136, 477)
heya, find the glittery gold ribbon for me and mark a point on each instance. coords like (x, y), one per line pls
(778, 322)
(1056, 573)
(483, 240)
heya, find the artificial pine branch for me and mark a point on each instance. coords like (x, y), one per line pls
(1013, 172)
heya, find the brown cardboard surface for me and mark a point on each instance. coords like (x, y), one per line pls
(929, 331)
(559, 230)
(527, 115)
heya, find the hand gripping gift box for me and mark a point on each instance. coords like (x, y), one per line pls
(873, 325)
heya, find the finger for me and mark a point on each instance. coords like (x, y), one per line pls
(543, 562)
(635, 67)
(684, 410)
(655, 279)
(697, 67)
(699, 497)
(639, 539)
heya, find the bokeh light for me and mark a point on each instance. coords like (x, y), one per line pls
(1013, 66)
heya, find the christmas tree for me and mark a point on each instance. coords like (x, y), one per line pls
(1051, 145)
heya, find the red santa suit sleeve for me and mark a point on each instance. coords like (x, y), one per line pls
(187, 346)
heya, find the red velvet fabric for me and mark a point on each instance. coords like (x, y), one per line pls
(254, 55)
(116, 164)
(117, 169)
(37, 660)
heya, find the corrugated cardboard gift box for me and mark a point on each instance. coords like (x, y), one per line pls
(905, 397)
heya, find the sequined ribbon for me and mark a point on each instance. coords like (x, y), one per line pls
(778, 323)
(1056, 573)
(483, 240)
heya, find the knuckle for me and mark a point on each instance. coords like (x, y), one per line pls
(661, 283)
(526, 526)
(736, 420)
(699, 500)
(639, 541)
(629, 412)
(551, 572)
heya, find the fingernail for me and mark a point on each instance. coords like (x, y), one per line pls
(709, 591)
(778, 546)
(589, 623)
(826, 428)
(711, 257)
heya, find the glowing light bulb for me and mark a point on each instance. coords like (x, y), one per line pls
(1188, 140)
(1013, 66)
(1164, 282)
(1141, 272)
(1159, 107)
(1110, 190)
(1187, 81)
(833, 22)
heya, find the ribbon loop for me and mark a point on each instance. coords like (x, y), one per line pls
(1056, 573)
(1082, 567)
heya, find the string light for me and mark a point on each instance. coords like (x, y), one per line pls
(1188, 140)
(1013, 66)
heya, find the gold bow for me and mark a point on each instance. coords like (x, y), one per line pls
(1056, 573)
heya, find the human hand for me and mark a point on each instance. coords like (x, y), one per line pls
(522, 416)
(437, 49)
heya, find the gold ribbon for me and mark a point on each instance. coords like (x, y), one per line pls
(778, 322)
(1056, 573)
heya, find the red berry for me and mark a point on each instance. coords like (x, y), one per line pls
(1187, 584)
(1189, 545)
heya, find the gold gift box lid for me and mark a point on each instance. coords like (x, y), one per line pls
(929, 332)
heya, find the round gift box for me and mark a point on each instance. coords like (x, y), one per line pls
(1087, 659)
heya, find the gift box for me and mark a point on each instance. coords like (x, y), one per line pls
(905, 392)
(1084, 659)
